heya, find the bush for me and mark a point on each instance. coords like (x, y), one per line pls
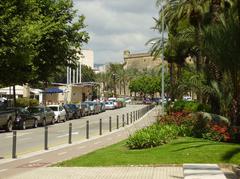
(152, 136)
(24, 102)
(189, 106)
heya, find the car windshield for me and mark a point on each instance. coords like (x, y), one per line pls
(35, 110)
(54, 108)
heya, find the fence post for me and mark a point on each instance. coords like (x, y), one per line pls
(70, 133)
(110, 124)
(14, 146)
(117, 122)
(100, 127)
(123, 120)
(87, 129)
(46, 138)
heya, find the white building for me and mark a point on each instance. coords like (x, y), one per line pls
(87, 58)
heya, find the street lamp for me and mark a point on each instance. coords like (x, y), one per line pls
(114, 84)
(162, 56)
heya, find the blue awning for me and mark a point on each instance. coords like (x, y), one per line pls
(53, 90)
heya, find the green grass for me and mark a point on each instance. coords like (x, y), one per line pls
(181, 150)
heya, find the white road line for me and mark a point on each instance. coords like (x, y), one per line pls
(62, 153)
(35, 161)
(81, 147)
(65, 135)
(23, 139)
(3, 170)
(95, 143)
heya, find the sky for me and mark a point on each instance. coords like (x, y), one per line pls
(117, 25)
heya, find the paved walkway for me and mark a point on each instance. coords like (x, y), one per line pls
(105, 173)
(35, 166)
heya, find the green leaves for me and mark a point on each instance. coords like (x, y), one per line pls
(37, 39)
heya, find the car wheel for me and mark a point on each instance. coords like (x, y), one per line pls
(53, 120)
(9, 125)
(35, 123)
(58, 119)
(23, 127)
(65, 119)
(44, 123)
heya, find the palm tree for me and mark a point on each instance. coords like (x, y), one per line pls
(222, 44)
(193, 11)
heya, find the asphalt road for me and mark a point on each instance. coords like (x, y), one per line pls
(32, 140)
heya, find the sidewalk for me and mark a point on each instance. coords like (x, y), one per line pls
(36, 165)
(28, 163)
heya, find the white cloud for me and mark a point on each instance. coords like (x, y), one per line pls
(117, 25)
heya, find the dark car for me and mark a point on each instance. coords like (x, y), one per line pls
(76, 110)
(24, 119)
(84, 108)
(45, 115)
(70, 112)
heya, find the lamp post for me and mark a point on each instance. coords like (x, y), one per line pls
(162, 56)
(114, 84)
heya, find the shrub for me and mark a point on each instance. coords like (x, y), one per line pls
(23, 102)
(189, 106)
(217, 133)
(152, 136)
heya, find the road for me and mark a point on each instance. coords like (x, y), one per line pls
(32, 140)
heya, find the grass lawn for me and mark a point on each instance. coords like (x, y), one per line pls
(181, 150)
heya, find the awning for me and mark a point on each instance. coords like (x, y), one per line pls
(53, 90)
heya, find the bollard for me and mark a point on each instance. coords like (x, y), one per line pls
(110, 124)
(131, 117)
(70, 133)
(14, 145)
(139, 114)
(127, 119)
(117, 122)
(87, 129)
(123, 121)
(100, 127)
(46, 138)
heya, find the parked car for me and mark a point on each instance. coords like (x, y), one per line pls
(24, 119)
(7, 116)
(45, 115)
(75, 109)
(102, 106)
(109, 105)
(69, 112)
(114, 100)
(59, 112)
(128, 100)
(93, 107)
(84, 108)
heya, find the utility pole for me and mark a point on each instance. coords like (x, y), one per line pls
(162, 58)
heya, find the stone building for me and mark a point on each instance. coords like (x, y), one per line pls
(140, 61)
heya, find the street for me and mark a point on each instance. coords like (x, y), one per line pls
(32, 140)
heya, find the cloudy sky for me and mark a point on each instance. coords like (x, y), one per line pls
(117, 25)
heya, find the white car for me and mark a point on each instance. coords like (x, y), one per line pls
(59, 112)
(187, 98)
(109, 105)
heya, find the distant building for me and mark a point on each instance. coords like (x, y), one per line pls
(87, 58)
(140, 61)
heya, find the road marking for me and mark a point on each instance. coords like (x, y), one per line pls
(27, 138)
(65, 135)
(95, 143)
(3, 170)
(19, 134)
(81, 147)
(35, 161)
(62, 153)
